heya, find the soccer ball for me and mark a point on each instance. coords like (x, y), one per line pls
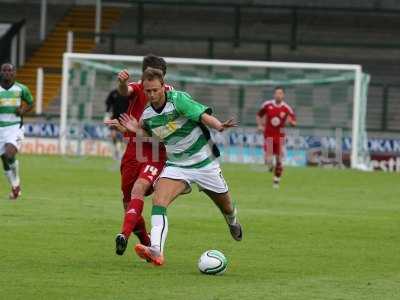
(212, 262)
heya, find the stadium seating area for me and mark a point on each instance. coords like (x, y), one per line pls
(331, 36)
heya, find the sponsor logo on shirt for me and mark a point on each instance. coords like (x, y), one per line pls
(275, 121)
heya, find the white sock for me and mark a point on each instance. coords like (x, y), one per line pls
(9, 176)
(159, 231)
(14, 168)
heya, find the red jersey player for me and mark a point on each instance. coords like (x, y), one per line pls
(140, 165)
(271, 120)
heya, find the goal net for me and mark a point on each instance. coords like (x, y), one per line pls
(329, 100)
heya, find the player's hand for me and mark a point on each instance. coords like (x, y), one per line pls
(114, 123)
(228, 124)
(129, 122)
(19, 111)
(292, 122)
(260, 128)
(123, 76)
(22, 109)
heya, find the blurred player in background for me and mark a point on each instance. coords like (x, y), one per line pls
(271, 120)
(139, 169)
(116, 105)
(182, 125)
(15, 101)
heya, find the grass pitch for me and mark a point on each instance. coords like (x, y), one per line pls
(326, 234)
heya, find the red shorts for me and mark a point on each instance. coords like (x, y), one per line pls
(132, 169)
(274, 145)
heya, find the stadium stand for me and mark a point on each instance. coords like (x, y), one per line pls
(357, 35)
(335, 37)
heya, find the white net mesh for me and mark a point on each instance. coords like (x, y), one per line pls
(323, 98)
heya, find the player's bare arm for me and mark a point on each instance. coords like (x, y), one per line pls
(132, 125)
(123, 88)
(213, 122)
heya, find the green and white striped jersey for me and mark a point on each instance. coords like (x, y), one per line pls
(10, 100)
(178, 126)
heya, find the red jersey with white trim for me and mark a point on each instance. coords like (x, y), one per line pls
(137, 104)
(276, 116)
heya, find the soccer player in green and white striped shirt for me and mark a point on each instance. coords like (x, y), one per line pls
(15, 101)
(182, 125)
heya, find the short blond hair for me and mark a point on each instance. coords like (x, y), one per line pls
(153, 74)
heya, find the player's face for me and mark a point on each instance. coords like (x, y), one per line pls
(154, 90)
(7, 72)
(279, 95)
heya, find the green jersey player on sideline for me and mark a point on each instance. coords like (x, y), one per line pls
(182, 125)
(15, 101)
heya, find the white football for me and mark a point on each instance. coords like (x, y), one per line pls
(212, 262)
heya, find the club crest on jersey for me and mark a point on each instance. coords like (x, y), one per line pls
(282, 114)
(275, 121)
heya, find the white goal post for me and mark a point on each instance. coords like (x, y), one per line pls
(356, 162)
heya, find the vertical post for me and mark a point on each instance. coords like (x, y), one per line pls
(339, 146)
(356, 118)
(293, 41)
(22, 44)
(385, 108)
(43, 17)
(210, 47)
(70, 41)
(268, 52)
(238, 17)
(14, 50)
(64, 105)
(140, 20)
(39, 91)
(97, 26)
(241, 103)
(112, 43)
(268, 56)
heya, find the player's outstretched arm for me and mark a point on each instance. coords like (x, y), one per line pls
(123, 88)
(132, 125)
(213, 122)
(114, 123)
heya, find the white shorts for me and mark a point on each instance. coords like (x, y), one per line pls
(208, 177)
(11, 135)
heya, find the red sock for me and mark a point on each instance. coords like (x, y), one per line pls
(132, 215)
(141, 232)
(278, 169)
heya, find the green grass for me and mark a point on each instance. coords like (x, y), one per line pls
(326, 234)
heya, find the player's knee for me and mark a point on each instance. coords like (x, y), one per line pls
(159, 200)
(9, 156)
(10, 152)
